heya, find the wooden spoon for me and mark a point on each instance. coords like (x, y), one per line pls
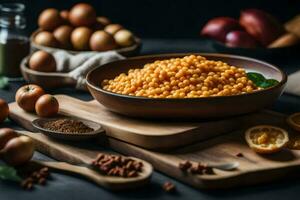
(230, 166)
(109, 182)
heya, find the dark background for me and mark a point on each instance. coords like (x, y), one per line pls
(160, 19)
(165, 18)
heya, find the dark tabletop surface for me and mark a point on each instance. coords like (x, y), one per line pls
(67, 187)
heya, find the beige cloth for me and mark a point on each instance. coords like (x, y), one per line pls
(79, 65)
(293, 84)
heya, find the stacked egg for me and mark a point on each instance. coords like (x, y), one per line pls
(80, 29)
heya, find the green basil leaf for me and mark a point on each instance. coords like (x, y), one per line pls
(9, 173)
(272, 81)
(265, 85)
(3, 82)
(269, 83)
(260, 81)
(256, 78)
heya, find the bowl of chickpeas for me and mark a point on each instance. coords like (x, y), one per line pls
(172, 86)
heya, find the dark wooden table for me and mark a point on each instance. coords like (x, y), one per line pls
(67, 187)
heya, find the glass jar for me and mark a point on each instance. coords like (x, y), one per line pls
(14, 45)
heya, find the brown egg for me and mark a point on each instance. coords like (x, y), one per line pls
(102, 41)
(100, 23)
(124, 38)
(113, 28)
(45, 38)
(6, 134)
(47, 106)
(63, 35)
(42, 61)
(64, 14)
(103, 20)
(18, 150)
(49, 19)
(80, 38)
(82, 14)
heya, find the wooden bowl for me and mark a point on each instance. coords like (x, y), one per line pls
(47, 80)
(40, 122)
(208, 107)
(125, 51)
(259, 52)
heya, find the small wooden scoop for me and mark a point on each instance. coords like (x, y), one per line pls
(109, 182)
(40, 122)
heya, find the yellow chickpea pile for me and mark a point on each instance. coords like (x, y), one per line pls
(188, 77)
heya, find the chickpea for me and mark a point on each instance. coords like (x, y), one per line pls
(188, 77)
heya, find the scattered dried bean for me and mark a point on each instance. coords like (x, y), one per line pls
(113, 165)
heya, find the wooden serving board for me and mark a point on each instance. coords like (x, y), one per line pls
(253, 168)
(147, 134)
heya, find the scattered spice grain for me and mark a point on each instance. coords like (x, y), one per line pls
(239, 155)
(67, 126)
(184, 166)
(38, 176)
(196, 168)
(169, 187)
(208, 170)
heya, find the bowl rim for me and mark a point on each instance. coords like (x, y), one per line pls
(99, 89)
(252, 50)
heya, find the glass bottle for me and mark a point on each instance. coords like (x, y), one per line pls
(14, 45)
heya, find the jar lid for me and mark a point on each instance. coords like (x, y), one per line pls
(12, 7)
(12, 15)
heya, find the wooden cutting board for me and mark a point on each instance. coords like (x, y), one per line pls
(253, 168)
(147, 134)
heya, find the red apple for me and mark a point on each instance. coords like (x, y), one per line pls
(240, 39)
(217, 28)
(261, 25)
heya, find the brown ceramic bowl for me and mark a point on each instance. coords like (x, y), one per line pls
(208, 107)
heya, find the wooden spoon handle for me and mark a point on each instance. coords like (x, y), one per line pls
(64, 167)
(109, 182)
(77, 170)
(285, 40)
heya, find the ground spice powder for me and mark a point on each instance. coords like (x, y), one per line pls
(67, 126)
